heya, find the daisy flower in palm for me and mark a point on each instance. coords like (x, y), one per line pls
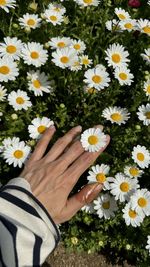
(16, 154)
(105, 206)
(6, 4)
(53, 17)
(38, 127)
(3, 93)
(8, 70)
(144, 114)
(123, 75)
(31, 21)
(85, 61)
(146, 56)
(78, 46)
(34, 54)
(148, 239)
(144, 26)
(141, 156)
(11, 48)
(133, 171)
(89, 208)
(97, 77)
(140, 201)
(38, 82)
(99, 174)
(122, 187)
(19, 100)
(113, 25)
(93, 139)
(116, 55)
(131, 216)
(122, 14)
(60, 42)
(55, 7)
(116, 115)
(147, 88)
(129, 25)
(65, 57)
(86, 3)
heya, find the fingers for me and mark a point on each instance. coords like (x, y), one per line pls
(58, 148)
(42, 144)
(84, 197)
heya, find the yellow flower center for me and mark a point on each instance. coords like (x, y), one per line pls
(53, 18)
(132, 214)
(85, 61)
(106, 205)
(77, 46)
(147, 114)
(34, 55)
(91, 90)
(142, 202)
(2, 3)
(61, 44)
(148, 89)
(41, 129)
(93, 140)
(134, 171)
(64, 59)
(88, 2)
(100, 177)
(140, 156)
(36, 84)
(116, 116)
(128, 26)
(11, 49)
(20, 100)
(124, 187)
(18, 154)
(146, 29)
(96, 79)
(31, 22)
(121, 16)
(116, 58)
(123, 76)
(4, 70)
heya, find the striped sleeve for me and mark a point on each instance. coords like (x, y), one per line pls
(27, 232)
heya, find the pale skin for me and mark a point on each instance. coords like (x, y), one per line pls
(52, 176)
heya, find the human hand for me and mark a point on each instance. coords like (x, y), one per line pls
(53, 176)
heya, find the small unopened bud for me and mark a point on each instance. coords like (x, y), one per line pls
(74, 240)
(27, 29)
(33, 6)
(14, 116)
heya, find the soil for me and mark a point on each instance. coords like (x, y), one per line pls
(61, 258)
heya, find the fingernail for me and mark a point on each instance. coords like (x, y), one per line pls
(78, 128)
(90, 194)
(52, 126)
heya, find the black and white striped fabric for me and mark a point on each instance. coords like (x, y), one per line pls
(27, 232)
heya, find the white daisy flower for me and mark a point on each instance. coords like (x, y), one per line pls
(141, 156)
(38, 83)
(116, 55)
(6, 4)
(116, 115)
(19, 100)
(105, 206)
(89, 208)
(76, 65)
(147, 88)
(131, 216)
(99, 174)
(11, 48)
(144, 26)
(38, 127)
(97, 78)
(8, 70)
(133, 171)
(144, 114)
(53, 17)
(129, 25)
(140, 201)
(122, 187)
(16, 154)
(64, 57)
(122, 14)
(90, 90)
(86, 3)
(78, 46)
(55, 7)
(84, 60)
(31, 21)
(123, 75)
(3, 93)
(34, 54)
(113, 25)
(93, 139)
(148, 237)
(146, 56)
(60, 42)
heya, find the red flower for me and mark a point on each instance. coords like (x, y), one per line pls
(134, 3)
